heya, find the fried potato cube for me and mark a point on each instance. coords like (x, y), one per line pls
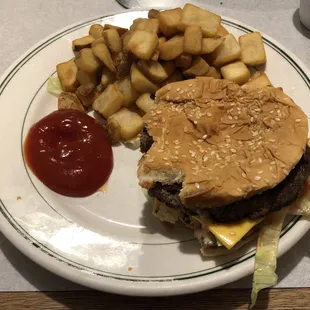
(96, 30)
(151, 25)
(129, 93)
(130, 123)
(87, 94)
(252, 49)
(86, 78)
(83, 42)
(213, 73)
(153, 13)
(68, 100)
(227, 52)
(97, 41)
(107, 77)
(140, 82)
(199, 67)
(120, 30)
(87, 61)
(145, 102)
(103, 53)
(259, 79)
(66, 72)
(113, 130)
(153, 70)
(169, 67)
(142, 44)
(193, 15)
(169, 21)
(113, 40)
(236, 72)
(155, 55)
(122, 62)
(209, 45)
(222, 31)
(192, 40)
(172, 48)
(184, 61)
(109, 102)
(175, 77)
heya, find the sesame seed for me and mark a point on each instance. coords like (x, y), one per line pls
(182, 92)
(192, 162)
(176, 142)
(212, 153)
(297, 120)
(160, 151)
(178, 89)
(167, 164)
(195, 122)
(260, 160)
(165, 158)
(205, 158)
(193, 154)
(151, 160)
(252, 119)
(254, 133)
(271, 111)
(233, 125)
(197, 185)
(277, 119)
(166, 142)
(243, 175)
(177, 147)
(184, 156)
(253, 161)
(240, 142)
(236, 117)
(167, 97)
(205, 136)
(257, 110)
(228, 140)
(209, 114)
(233, 150)
(230, 117)
(260, 172)
(195, 142)
(176, 152)
(185, 129)
(177, 98)
(190, 85)
(274, 176)
(169, 87)
(239, 189)
(285, 171)
(257, 178)
(272, 140)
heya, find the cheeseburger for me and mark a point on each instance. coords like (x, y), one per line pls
(218, 157)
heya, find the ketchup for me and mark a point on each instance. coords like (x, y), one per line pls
(69, 152)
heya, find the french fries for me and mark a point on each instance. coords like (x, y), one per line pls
(259, 79)
(83, 42)
(236, 72)
(145, 102)
(252, 49)
(96, 31)
(142, 44)
(222, 31)
(199, 67)
(120, 30)
(113, 40)
(109, 102)
(184, 61)
(153, 70)
(103, 53)
(67, 72)
(67, 100)
(86, 78)
(192, 40)
(209, 45)
(151, 25)
(129, 93)
(193, 15)
(86, 61)
(107, 77)
(169, 21)
(172, 48)
(140, 82)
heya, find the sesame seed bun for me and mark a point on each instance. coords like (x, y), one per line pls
(223, 142)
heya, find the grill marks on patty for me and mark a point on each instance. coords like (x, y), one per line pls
(259, 205)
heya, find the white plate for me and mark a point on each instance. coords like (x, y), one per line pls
(110, 241)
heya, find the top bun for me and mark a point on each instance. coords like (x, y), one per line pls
(222, 141)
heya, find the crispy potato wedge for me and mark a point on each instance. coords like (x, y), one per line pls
(125, 39)
(227, 52)
(172, 48)
(193, 15)
(102, 52)
(153, 13)
(153, 70)
(169, 21)
(209, 45)
(192, 40)
(107, 77)
(142, 44)
(252, 49)
(140, 82)
(66, 72)
(96, 31)
(169, 67)
(236, 72)
(129, 93)
(199, 67)
(120, 30)
(259, 79)
(175, 77)
(130, 123)
(113, 130)
(87, 61)
(151, 25)
(67, 100)
(109, 102)
(213, 73)
(83, 42)
(97, 41)
(222, 31)
(145, 102)
(86, 78)
(87, 95)
(113, 40)
(184, 61)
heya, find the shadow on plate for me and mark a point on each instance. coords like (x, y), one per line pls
(299, 26)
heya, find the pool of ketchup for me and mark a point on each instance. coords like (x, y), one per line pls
(69, 152)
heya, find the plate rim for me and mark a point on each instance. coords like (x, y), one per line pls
(91, 280)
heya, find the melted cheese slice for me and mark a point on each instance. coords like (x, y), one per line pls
(229, 234)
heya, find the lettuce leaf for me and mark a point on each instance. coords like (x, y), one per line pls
(266, 253)
(54, 86)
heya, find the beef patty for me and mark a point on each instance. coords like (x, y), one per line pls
(259, 205)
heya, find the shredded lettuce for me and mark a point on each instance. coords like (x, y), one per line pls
(54, 86)
(266, 253)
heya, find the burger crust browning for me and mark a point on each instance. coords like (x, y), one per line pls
(223, 142)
